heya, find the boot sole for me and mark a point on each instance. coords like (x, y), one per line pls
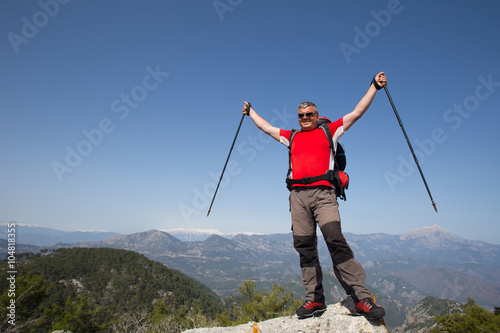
(316, 313)
(357, 314)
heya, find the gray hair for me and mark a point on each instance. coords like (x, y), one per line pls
(304, 105)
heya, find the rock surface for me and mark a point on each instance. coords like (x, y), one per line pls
(337, 318)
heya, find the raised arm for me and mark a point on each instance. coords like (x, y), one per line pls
(365, 102)
(261, 123)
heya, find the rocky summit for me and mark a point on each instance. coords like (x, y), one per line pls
(337, 318)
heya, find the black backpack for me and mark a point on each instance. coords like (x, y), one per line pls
(337, 177)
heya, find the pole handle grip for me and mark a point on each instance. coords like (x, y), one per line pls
(376, 84)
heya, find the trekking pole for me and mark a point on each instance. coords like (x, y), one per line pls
(409, 145)
(247, 108)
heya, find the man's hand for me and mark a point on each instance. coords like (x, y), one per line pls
(379, 81)
(246, 108)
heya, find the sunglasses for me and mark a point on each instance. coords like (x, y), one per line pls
(308, 114)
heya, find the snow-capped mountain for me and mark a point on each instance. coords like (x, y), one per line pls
(198, 235)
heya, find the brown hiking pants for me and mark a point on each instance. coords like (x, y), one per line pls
(311, 206)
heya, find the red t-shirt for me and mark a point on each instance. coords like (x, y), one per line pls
(311, 155)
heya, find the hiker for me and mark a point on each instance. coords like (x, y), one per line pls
(316, 204)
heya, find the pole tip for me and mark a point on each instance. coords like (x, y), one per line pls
(208, 212)
(435, 208)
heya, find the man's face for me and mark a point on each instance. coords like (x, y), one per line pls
(308, 118)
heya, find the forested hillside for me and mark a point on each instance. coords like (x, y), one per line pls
(94, 289)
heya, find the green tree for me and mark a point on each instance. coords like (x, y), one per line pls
(79, 315)
(179, 318)
(260, 305)
(473, 319)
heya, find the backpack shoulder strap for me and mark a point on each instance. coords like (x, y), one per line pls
(338, 152)
(292, 135)
(328, 133)
(294, 131)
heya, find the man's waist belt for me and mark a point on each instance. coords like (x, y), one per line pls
(309, 180)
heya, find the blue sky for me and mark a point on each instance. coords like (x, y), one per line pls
(119, 115)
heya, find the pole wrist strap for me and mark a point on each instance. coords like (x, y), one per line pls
(248, 108)
(375, 83)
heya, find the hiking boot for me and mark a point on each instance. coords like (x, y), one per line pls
(310, 309)
(368, 308)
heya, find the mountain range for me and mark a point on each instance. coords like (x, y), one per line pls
(42, 236)
(432, 260)
(194, 235)
(401, 269)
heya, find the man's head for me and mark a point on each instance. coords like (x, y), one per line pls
(308, 116)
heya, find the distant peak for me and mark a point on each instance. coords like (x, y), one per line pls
(432, 232)
(434, 227)
(200, 234)
(193, 231)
